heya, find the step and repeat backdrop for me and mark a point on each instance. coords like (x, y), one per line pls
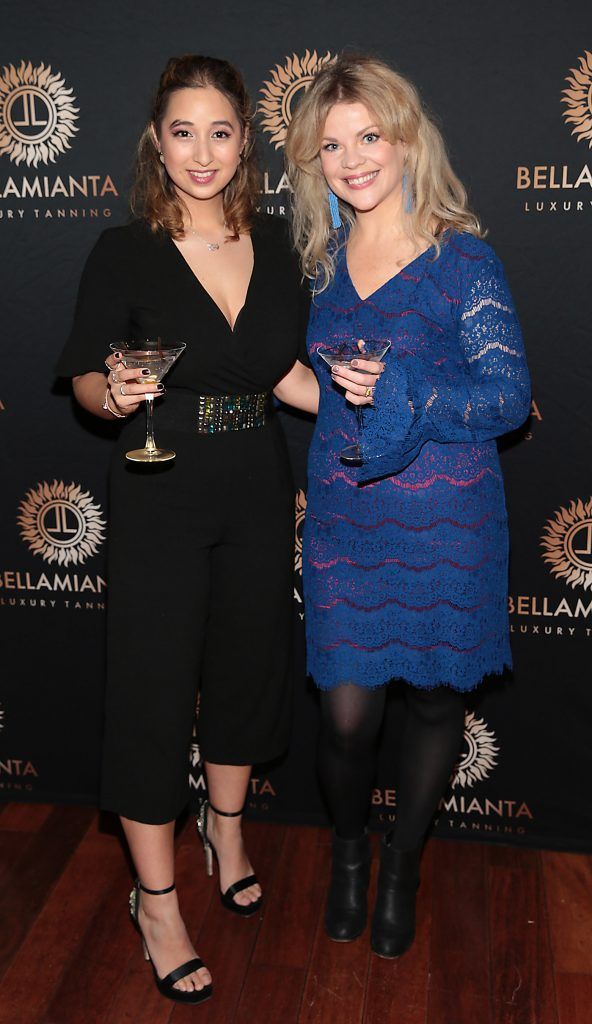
(511, 86)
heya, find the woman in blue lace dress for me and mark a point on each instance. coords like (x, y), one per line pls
(405, 561)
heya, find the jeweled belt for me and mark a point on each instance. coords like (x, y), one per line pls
(217, 414)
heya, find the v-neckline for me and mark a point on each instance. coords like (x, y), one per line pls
(196, 279)
(384, 284)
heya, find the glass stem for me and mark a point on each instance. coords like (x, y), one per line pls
(360, 415)
(150, 443)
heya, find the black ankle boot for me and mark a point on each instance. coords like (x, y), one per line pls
(346, 910)
(393, 921)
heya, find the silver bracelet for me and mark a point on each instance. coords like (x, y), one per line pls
(107, 408)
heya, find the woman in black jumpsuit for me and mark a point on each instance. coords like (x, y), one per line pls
(200, 550)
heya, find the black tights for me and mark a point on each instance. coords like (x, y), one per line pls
(351, 720)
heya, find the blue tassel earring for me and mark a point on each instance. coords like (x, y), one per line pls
(407, 195)
(334, 209)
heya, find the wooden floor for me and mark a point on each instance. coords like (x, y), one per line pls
(504, 936)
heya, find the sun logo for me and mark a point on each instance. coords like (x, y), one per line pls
(37, 114)
(567, 540)
(578, 99)
(300, 514)
(279, 93)
(479, 756)
(61, 523)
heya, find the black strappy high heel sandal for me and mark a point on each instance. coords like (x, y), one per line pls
(227, 898)
(166, 985)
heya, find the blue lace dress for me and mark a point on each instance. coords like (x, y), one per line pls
(405, 558)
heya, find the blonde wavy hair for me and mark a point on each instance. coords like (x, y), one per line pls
(153, 194)
(440, 201)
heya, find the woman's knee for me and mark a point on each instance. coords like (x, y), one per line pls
(436, 705)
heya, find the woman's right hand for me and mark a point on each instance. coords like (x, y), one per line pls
(125, 389)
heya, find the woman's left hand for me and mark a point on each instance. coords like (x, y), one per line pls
(359, 386)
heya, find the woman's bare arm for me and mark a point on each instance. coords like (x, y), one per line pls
(299, 388)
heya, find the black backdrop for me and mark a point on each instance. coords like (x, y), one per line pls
(495, 77)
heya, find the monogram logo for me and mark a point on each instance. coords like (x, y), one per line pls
(567, 540)
(37, 114)
(61, 523)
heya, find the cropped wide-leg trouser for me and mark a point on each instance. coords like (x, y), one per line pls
(200, 602)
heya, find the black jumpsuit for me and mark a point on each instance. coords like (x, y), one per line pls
(201, 549)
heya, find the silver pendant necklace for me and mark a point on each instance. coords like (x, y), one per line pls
(211, 246)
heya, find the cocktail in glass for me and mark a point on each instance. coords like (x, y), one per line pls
(342, 354)
(158, 358)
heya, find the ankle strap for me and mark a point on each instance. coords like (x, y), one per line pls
(227, 814)
(155, 892)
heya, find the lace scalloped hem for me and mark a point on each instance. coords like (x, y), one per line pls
(497, 673)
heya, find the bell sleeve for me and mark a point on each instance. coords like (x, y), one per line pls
(102, 312)
(475, 396)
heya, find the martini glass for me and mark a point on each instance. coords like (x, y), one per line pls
(342, 354)
(157, 358)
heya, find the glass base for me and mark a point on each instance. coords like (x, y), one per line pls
(150, 455)
(352, 455)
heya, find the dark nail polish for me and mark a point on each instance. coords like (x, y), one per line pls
(160, 387)
(145, 373)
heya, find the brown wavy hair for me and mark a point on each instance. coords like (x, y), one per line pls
(153, 194)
